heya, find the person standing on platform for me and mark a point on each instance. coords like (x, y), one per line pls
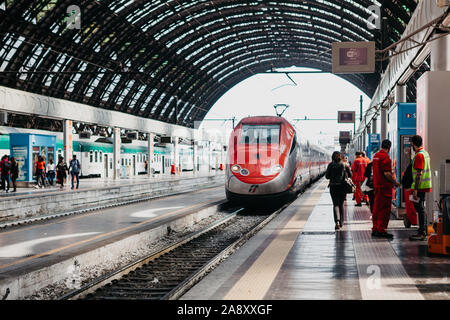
(14, 173)
(61, 171)
(75, 169)
(50, 172)
(358, 168)
(369, 183)
(336, 171)
(421, 172)
(366, 161)
(6, 169)
(40, 172)
(383, 183)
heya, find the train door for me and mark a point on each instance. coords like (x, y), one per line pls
(134, 165)
(105, 163)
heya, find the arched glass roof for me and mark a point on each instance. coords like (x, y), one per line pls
(172, 60)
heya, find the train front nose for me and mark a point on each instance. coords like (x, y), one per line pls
(256, 171)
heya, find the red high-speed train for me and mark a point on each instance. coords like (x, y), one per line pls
(267, 161)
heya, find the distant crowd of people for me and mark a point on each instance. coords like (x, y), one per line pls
(45, 173)
(373, 182)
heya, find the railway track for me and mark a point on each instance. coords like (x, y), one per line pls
(169, 273)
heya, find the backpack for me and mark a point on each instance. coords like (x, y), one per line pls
(407, 178)
(75, 166)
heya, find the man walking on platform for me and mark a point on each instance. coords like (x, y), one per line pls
(75, 169)
(421, 171)
(383, 183)
(358, 168)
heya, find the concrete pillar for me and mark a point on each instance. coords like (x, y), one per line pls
(432, 115)
(176, 153)
(209, 156)
(150, 153)
(222, 156)
(68, 142)
(440, 54)
(195, 156)
(116, 153)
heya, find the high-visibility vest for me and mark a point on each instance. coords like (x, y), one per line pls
(425, 181)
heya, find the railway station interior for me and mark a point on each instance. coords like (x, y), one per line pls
(118, 183)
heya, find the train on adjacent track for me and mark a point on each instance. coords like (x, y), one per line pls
(267, 160)
(96, 154)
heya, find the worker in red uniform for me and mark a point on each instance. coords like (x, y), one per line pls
(383, 182)
(366, 161)
(358, 168)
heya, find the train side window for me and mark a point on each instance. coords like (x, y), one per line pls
(294, 143)
(96, 156)
(91, 156)
(101, 156)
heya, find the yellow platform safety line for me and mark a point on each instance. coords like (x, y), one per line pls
(99, 236)
(256, 282)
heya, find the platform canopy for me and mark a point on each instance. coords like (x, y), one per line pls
(172, 60)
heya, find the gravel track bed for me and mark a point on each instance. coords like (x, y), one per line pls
(87, 275)
(158, 277)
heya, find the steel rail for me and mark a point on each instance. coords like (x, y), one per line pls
(117, 274)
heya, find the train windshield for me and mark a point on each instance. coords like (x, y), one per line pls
(260, 134)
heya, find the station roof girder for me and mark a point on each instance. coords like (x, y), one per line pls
(181, 55)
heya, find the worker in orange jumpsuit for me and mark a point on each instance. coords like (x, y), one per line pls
(383, 182)
(367, 161)
(358, 168)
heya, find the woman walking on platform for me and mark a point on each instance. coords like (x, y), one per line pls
(61, 172)
(336, 173)
(14, 172)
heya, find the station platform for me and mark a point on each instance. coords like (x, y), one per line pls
(97, 193)
(35, 256)
(299, 255)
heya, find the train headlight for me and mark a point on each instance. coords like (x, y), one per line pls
(245, 172)
(235, 168)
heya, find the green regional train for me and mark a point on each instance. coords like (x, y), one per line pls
(96, 155)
